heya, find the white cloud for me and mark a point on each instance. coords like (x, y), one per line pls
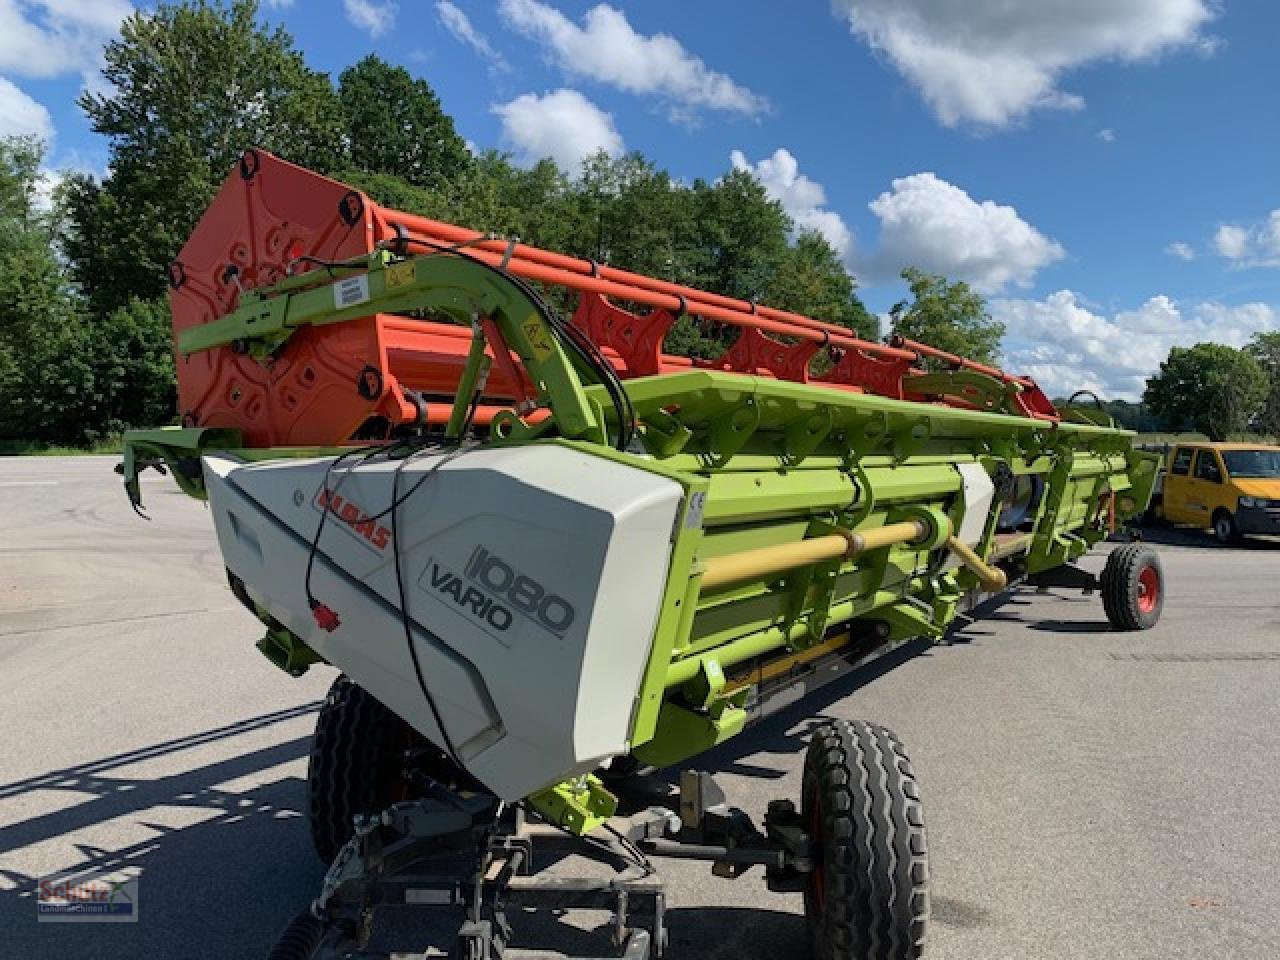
(460, 25)
(375, 17)
(1231, 242)
(1257, 245)
(22, 116)
(1066, 346)
(991, 62)
(1107, 136)
(803, 199)
(1181, 250)
(46, 38)
(606, 48)
(563, 125)
(927, 222)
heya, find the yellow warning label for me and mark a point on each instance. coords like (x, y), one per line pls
(399, 275)
(539, 336)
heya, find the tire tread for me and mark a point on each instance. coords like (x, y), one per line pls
(347, 763)
(1119, 586)
(874, 849)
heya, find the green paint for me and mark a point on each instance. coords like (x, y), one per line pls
(579, 805)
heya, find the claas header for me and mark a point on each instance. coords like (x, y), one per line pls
(538, 547)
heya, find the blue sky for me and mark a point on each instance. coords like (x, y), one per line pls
(1103, 170)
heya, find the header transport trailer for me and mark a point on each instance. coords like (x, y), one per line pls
(546, 555)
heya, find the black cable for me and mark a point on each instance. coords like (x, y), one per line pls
(325, 509)
(428, 444)
(628, 844)
(414, 450)
(329, 265)
(567, 334)
(611, 382)
(405, 620)
(590, 355)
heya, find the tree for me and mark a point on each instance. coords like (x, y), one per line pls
(810, 279)
(395, 125)
(736, 236)
(189, 87)
(1212, 387)
(1265, 348)
(949, 316)
(64, 378)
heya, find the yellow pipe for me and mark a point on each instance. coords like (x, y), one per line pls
(889, 535)
(766, 561)
(991, 578)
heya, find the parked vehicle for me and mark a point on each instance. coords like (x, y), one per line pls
(1231, 488)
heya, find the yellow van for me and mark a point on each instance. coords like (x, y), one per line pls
(1232, 488)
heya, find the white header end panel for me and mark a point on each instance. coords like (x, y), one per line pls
(532, 579)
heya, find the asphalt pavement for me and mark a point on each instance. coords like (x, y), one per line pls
(1088, 794)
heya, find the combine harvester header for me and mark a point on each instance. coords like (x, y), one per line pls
(541, 548)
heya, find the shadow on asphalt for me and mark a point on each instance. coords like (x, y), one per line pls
(1072, 626)
(222, 887)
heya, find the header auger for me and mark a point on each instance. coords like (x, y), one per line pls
(541, 548)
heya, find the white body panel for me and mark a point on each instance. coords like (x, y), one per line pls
(532, 580)
(977, 492)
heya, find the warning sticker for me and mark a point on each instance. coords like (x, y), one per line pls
(399, 275)
(349, 292)
(539, 336)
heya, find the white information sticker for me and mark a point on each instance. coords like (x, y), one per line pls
(349, 292)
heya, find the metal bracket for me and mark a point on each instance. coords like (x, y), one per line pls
(731, 430)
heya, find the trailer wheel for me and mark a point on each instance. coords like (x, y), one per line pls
(1133, 587)
(867, 897)
(356, 763)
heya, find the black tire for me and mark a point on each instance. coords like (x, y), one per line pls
(1154, 514)
(356, 763)
(1225, 529)
(1133, 587)
(868, 899)
(300, 940)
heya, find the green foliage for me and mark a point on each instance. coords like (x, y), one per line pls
(133, 369)
(949, 316)
(1211, 387)
(40, 357)
(810, 279)
(63, 377)
(190, 86)
(1265, 348)
(739, 235)
(395, 125)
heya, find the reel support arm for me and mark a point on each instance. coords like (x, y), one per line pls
(454, 286)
